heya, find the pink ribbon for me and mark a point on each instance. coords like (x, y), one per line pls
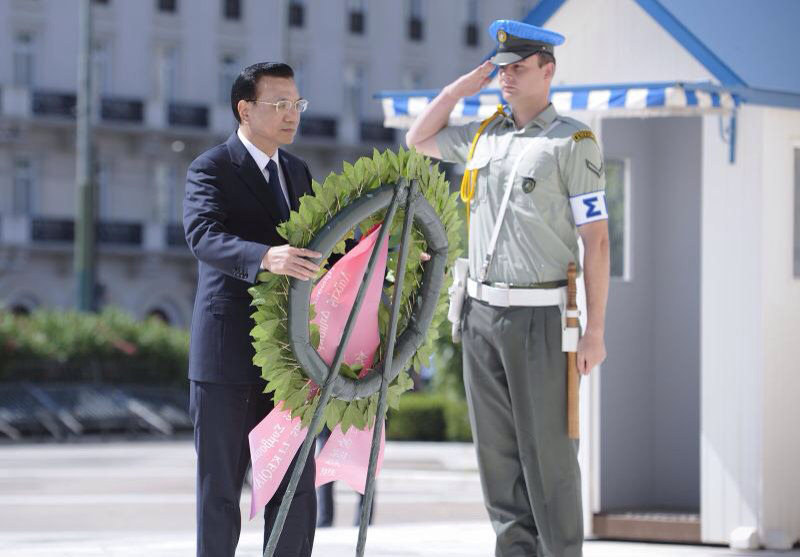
(346, 457)
(275, 441)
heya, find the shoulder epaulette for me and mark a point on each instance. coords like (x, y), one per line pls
(583, 134)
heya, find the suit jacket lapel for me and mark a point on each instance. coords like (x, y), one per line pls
(251, 175)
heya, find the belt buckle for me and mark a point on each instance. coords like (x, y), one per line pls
(504, 292)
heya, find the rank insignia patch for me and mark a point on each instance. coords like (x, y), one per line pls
(501, 36)
(594, 168)
(528, 184)
(583, 134)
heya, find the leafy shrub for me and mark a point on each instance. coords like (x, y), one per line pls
(456, 417)
(429, 417)
(111, 346)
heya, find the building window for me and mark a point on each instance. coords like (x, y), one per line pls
(175, 202)
(355, 78)
(296, 13)
(471, 33)
(169, 193)
(101, 60)
(19, 310)
(168, 6)
(299, 68)
(23, 60)
(415, 28)
(232, 9)
(23, 184)
(356, 17)
(159, 315)
(413, 79)
(797, 212)
(102, 183)
(617, 192)
(228, 72)
(167, 68)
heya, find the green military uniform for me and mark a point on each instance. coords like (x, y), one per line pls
(538, 238)
(514, 367)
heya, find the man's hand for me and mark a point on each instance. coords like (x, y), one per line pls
(422, 133)
(471, 83)
(286, 260)
(591, 352)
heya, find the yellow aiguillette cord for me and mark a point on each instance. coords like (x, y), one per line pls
(470, 178)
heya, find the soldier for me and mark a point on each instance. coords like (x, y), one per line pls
(534, 184)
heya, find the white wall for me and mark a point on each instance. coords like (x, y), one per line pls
(751, 378)
(598, 47)
(732, 292)
(135, 31)
(781, 322)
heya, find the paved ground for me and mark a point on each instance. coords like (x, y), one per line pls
(137, 498)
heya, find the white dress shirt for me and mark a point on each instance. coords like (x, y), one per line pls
(262, 159)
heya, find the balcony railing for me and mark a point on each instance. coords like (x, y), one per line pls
(49, 103)
(318, 126)
(115, 109)
(174, 236)
(45, 229)
(64, 105)
(376, 131)
(119, 233)
(188, 115)
(52, 230)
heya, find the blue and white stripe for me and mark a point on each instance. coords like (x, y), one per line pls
(660, 99)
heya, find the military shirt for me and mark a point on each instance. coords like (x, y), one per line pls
(539, 237)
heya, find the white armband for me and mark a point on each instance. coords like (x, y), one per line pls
(589, 207)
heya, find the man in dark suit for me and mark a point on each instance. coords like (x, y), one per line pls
(236, 195)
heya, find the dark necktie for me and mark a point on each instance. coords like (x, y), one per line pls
(276, 190)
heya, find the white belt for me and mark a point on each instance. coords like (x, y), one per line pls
(507, 297)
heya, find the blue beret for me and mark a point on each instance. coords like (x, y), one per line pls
(517, 40)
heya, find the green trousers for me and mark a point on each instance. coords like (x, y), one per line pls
(515, 377)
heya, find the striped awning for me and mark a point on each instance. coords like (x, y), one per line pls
(400, 108)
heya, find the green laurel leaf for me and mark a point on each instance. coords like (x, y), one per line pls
(283, 375)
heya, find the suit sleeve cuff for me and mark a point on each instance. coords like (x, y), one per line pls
(254, 255)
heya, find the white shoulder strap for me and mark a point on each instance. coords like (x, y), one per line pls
(487, 261)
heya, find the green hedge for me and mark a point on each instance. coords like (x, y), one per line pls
(110, 346)
(114, 347)
(429, 417)
(456, 417)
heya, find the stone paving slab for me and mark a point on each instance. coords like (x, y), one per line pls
(470, 539)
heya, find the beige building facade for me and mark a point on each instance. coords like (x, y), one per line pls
(162, 76)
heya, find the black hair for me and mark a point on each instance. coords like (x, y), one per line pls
(244, 87)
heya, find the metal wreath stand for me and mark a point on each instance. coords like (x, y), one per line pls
(398, 350)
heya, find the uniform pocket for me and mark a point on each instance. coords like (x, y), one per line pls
(537, 186)
(536, 173)
(480, 163)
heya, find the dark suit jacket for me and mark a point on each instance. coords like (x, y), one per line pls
(229, 219)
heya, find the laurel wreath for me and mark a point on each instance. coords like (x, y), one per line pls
(283, 374)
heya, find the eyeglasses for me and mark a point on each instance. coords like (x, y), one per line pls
(285, 106)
